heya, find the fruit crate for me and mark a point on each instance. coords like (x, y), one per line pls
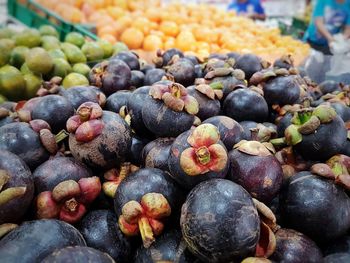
(34, 15)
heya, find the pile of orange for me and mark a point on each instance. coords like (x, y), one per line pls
(199, 29)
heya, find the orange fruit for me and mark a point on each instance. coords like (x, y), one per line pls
(142, 24)
(169, 43)
(152, 43)
(185, 41)
(153, 14)
(169, 28)
(106, 30)
(115, 12)
(132, 37)
(109, 38)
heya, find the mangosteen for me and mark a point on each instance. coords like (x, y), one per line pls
(78, 254)
(231, 132)
(167, 248)
(164, 58)
(117, 100)
(198, 70)
(144, 201)
(80, 94)
(249, 63)
(169, 110)
(111, 76)
(55, 110)
(283, 123)
(34, 240)
(337, 258)
(329, 86)
(6, 116)
(212, 222)
(137, 78)
(198, 155)
(16, 187)
(261, 132)
(193, 59)
(137, 144)
(256, 169)
(307, 204)
(153, 75)
(144, 67)
(246, 104)
(218, 56)
(100, 139)
(208, 99)
(342, 110)
(130, 58)
(58, 169)
(293, 247)
(286, 62)
(183, 72)
(156, 153)
(100, 230)
(19, 138)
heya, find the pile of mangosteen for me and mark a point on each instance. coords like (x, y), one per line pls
(230, 159)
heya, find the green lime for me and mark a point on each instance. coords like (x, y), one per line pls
(18, 56)
(73, 53)
(82, 69)
(12, 84)
(119, 47)
(92, 51)
(33, 83)
(75, 38)
(61, 68)
(47, 30)
(74, 79)
(107, 48)
(28, 38)
(50, 42)
(57, 53)
(39, 61)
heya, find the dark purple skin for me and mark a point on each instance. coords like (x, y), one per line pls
(282, 90)
(326, 142)
(55, 110)
(116, 76)
(32, 241)
(295, 247)
(167, 248)
(168, 55)
(198, 71)
(337, 258)
(329, 86)
(146, 67)
(137, 78)
(20, 139)
(218, 56)
(78, 254)
(234, 55)
(231, 132)
(9, 105)
(117, 100)
(188, 182)
(148, 180)
(247, 125)
(56, 170)
(249, 63)
(101, 231)
(227, 232)
(163, 121)
(137, 145)
(20, 176)
(156, 153)
(284, 123)
(315, 206)
(245, 105)
(207, 107)
(193, 59)
(279, 63)
(230, 84)
(108, 149)
(342, 110)
(183, 72)
(129, 58)
(261, 176)
(346, 148)
(6, 120)
(153, 75)
(80, 94)
(341, 245)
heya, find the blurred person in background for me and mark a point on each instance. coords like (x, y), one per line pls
(329, 17)
(250, 8)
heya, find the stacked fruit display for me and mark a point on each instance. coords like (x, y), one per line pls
(231, 160)
(199, 29)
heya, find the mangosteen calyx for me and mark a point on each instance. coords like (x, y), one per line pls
(144, 217)
(212, 91)
(115, 176)
(175, 97)
(254, 148)
(9, 194)
(50, 87)
(68, 200)
(98, 73)
(205, 154)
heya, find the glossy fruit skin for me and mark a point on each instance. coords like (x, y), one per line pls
(168, 55)
(247, 125)
(20, 176)
(249, 63)
(229, 84)
(342, 110)
(153, 75)
(59, 169)
(80, 94)
(129, 58)
(78, 254)
(245, 104)
(337, 258)
(137, 78)
(55, 110)
(188, 182)
(101, 232)
(37, 239)
(216, 233)
(117, 100)
(284, 123)
(183, 72)
(155, 154)
(282, 90)
(167, 247)
(295, 247)
(20, 139)
(147, 180)
(207, 107)
(231, 132)
(326, 142)
(329, 86)
(261, 176)
(6, 120)
(171, 123)
(109, 148)
(307, 204)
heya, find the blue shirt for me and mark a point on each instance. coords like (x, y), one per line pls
(250, 6)
(335, 16)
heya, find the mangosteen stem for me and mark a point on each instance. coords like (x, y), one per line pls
(203, 155)
(216, 85)
(61, 136)
(11, 193)
(71, 205)
(146, 232)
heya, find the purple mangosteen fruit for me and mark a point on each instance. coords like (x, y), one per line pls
(117, 100)
(183, 71)
(130, 58)
(153, 75)
(80, 94)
